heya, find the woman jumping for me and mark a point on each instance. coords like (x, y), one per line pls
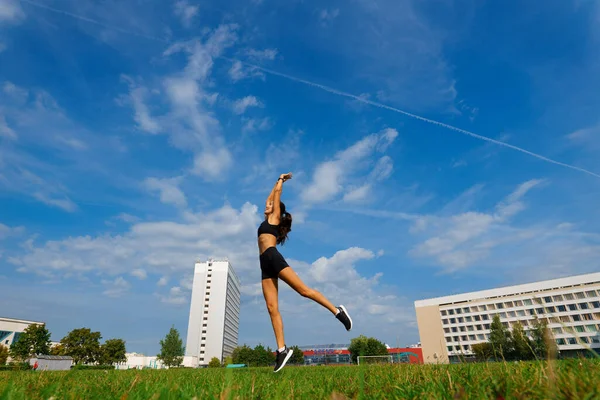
(273, 231)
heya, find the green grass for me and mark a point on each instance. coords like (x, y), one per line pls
(566, 379)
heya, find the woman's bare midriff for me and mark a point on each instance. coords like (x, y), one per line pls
(265, 241)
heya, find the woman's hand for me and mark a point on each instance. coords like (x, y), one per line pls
(285, 177)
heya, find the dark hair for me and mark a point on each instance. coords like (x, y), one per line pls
(285, 224)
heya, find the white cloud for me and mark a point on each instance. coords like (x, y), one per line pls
(5, 130)
(185, 11)
(240, 105)
(330, 177)
(358, 194)
(64, 203)
(138, 96)
(189, 123)
(168, 189)
(238, 72)
(261, 55)
(139, 273)
(162, 281)
(11, 11)
(254, 124)
(7, 231)
(326, 15)
(116, 288)
(490, 239)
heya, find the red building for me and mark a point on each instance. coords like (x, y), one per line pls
(340, 355)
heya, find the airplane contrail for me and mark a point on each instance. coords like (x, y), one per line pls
(331, 90)
(397, 110)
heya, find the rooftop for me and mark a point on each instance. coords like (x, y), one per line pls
(512, 290)
(19, 321)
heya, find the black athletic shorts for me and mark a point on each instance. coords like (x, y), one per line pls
(271, 263)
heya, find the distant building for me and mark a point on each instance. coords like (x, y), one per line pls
(51, 363)
(339, 354)
(449, 326)
(11, 329)
(214, 313)
(140, 361)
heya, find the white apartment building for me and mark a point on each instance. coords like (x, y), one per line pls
(450, 325)
(214, 313)
(11, 329)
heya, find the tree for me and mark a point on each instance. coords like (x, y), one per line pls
(83, 345)
(297, 356)
(500, 339)
(228, 360)
(57, 350)
(366, 346)
(171, 349)
(542, 340)
(243, 355)
(214, 363)
(3, 354)
(35, 339)
(113, 351)
(263, 357)
(483, 351)
(521, 345)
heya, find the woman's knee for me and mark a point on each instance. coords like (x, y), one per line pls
(308, 292)
(273, 308)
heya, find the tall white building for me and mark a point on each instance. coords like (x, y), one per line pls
(214, 313)
(11, 329)
(449, 326)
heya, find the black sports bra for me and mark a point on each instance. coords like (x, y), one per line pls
(266, 227)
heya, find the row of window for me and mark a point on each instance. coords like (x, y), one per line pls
(525, 323)
(523, 313)
(590, 328)
(520, 303)
(559, 341)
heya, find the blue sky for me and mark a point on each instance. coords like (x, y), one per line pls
(138, 136)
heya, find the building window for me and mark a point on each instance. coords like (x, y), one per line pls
(448, 339)
(572, 307)
(518, 303)
(458, 311)
(527, 302)
(499, 306)
(443, 312)
(466, 310)
(455, 338)
(561, 308)
(450, 312)
(590, 293)
(477, 318)
(474, 309)
(462, 329)
(471, 337)
(583, 306)
(445, 321)
(551, 309)
(446, 330)
(502, 315)
(509, 304)
(487, 326)
(587, 317)
(590, 328)
(569, 296)
(596, 304)
(461, 320)
(565, 318)
(202, 345)
(579, 328)
(521, 313)
(539, 311)
(548, 299)
(576, 318)
(560, 342)
(512, 314)
(478, 327)
(468, 319)
(556, 331)
(480, 337)
(482, 307)
(454, 329)
(484, 317)
(449, 348)
(580, 295)
(452, 320)
(470, 328)
(558, 298)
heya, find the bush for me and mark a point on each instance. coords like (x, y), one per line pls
(88, 367)
(214, 363)
(14, 366)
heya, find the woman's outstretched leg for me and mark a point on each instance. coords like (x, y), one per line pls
(270, 290)
(289, 276)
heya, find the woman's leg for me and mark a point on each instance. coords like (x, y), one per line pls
(289, 276)
(270, 290)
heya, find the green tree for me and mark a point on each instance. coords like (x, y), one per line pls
(243, 355)
(83, 345)
(57, 350)
(500, 339)
(542, 340)
(214, 363)
(3, 354)
(521, 345)
(263, 357)
(171, 349)
(35, 339)
(483, 351)
(366, 346)
(228, 360)
(113, 351)
(297, 356)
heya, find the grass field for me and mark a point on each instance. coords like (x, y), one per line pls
(567, 379)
